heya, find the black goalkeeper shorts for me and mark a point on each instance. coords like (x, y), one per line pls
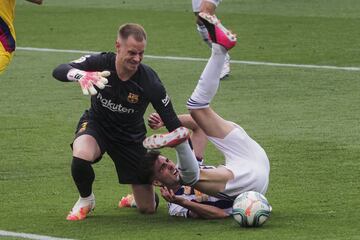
(126, 156)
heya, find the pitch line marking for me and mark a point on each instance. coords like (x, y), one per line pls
(271, 64)
(29, 236)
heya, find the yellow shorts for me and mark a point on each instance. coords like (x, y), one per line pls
(5, 58)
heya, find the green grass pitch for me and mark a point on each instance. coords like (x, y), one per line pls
(306, 119)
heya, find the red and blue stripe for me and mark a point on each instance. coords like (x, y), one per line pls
(6, 38)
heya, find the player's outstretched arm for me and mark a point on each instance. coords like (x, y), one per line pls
(197, 210)
(87, 80)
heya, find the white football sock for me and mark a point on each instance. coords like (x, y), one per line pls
(187, 164)
(209, 80)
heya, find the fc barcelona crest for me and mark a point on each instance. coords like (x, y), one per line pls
(83, 127)
(133, 98)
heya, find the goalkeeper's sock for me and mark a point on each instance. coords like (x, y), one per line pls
(83, 175)
(209, 80)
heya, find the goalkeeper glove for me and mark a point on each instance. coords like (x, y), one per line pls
(87, 80)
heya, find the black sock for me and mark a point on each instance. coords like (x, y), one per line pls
(83, 175)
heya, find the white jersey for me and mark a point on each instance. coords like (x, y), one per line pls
(191, 194)
(246, 159)
(197, 3)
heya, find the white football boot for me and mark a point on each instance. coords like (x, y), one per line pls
(82, 208)
(170, 139)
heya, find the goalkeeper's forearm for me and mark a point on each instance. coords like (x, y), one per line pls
(61, 71)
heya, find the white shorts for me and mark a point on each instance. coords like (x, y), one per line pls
(197, 3)
(246, 159)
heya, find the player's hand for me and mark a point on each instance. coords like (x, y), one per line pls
(169, 195)
(87, 80)
(155, 121)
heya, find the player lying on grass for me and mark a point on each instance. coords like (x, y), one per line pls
(202, 205)
(246, 165)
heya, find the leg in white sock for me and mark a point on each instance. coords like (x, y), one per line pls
(187, 164)
(209, 80)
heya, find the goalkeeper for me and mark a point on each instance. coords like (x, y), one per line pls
(121, 88)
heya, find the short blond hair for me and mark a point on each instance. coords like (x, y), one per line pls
(132, 29)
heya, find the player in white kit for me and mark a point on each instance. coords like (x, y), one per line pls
(209, 6)
(246, 165)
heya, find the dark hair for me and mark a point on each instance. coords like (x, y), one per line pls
(132, 29)
(146, 167)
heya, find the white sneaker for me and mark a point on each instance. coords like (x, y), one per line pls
(225, 72)
(171, 139)
(82, 208)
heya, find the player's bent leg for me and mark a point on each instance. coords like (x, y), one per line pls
(199, 142)
(144, 196)
(83, 176)
(211, 123)
(209, 6)
(209, 80)
(85, 151)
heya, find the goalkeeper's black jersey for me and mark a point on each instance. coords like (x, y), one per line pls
(119, 108)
